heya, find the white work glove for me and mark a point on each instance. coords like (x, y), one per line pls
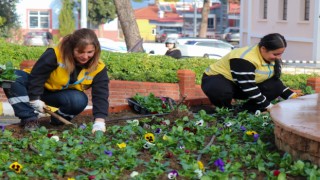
(269, 107)
(38, 105)
(99, 125)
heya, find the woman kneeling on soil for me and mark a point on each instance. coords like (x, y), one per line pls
(248, 73)
(59, 78)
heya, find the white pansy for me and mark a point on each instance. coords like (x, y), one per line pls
(148, 145)
(257, 113)
(199, 173)
(134, 174)
(56, 138)
(199, 123)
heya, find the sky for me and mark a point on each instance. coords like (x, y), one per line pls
(145, 3)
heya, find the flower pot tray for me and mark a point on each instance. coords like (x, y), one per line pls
(6, 84)
(135, 106)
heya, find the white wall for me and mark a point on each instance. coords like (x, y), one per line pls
(302, 36)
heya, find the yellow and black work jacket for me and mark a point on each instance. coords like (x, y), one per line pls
(48, 74)
(59, 78)
(246, 68)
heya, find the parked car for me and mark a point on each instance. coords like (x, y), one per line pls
(184, 40)
(231, 34)
(163, 34)
(36, 38)
(112, 46)
(209, 48)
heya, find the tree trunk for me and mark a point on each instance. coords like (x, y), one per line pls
(129, 25)
(204, 21)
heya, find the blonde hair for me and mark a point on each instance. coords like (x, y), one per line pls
(79, 39)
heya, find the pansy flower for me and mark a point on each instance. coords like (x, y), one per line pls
(228, 124)
(200, 165)
(158, 131)
(49, 135)
(134, 122)
(255, 137)
(199, 123)
(169, 155)
(251, 133)
(134, 174)
(265, 124)
(276, 172)
(257, 113)
(109, 153)
(149, 137)
(16, 167)
(2, 127)
(220, 164)
(148, 145)
(199, 173)
(173, 174)
(91, 177)
(83, 126)
(243, 128)
(56, 138)
(71, 179)
(122, 145)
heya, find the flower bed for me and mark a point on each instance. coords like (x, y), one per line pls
(180, 145)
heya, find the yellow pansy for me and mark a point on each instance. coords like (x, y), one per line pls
(16, 167)
(149, 137)
(122, 145)
(201, 166)
(251, 133)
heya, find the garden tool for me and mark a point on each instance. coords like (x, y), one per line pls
(48, 110)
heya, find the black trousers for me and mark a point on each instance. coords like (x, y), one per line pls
(221, 91)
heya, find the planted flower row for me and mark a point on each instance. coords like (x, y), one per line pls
(202, 146)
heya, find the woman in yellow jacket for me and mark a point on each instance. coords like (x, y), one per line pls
(248, 73)
(59, 78)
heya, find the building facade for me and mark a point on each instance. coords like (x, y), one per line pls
(297, 20)
(43, 15)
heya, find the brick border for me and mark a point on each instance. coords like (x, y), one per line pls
(299, 147)
(121, 90)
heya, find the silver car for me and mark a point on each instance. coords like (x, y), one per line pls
(36, 39)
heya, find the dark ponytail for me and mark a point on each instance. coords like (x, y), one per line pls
(273, 41)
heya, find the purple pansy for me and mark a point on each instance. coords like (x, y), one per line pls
(255, 137)
(109, 153)
(2, 127)
(220, 164)
(243, 128)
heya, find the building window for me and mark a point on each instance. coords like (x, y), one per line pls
(39, 19)
(306, 10)
(284, 9)
(211, 23)
(263, 9)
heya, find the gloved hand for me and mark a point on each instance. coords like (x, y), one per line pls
(295, 95)
(99, 125)
(38, 105)
(269, 107)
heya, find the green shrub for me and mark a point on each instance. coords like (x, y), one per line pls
(141, 66)
(17, 53)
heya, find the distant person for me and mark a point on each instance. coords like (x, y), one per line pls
(248, 73)
(172, 50)
(59, 79)
(49, 37)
